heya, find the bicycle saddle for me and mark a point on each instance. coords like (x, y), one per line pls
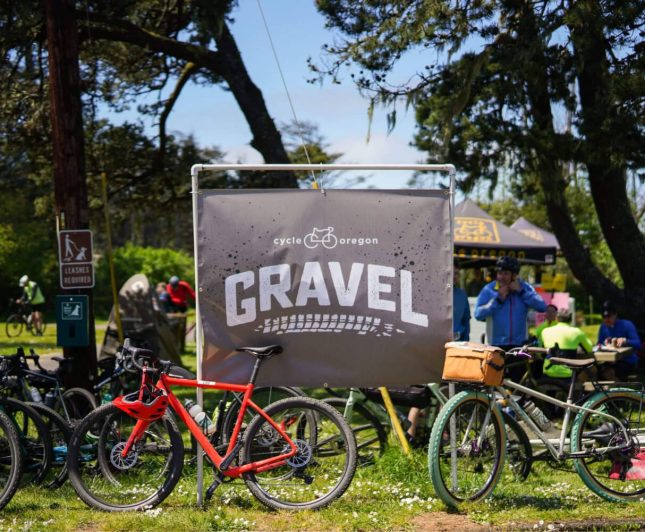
(573, 363)
(262, 352)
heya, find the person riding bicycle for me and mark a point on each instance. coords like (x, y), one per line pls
(565, 339)
(506, 301)
(33, 296)
(179, 292)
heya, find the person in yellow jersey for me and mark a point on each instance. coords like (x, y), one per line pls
(567, 339)
(550, 319)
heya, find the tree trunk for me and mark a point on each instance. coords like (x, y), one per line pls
(70, 187)
(225, 63)
(599, 117)
(549, 168)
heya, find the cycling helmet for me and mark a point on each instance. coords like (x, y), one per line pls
(174, 280)
(149, 409)
(509, 264)
(23, 281)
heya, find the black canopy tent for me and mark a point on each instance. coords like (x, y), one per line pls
(480, 240)
(522, 225)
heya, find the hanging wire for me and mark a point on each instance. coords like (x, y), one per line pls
(286, 90)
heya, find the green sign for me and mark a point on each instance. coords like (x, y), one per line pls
(72, 324)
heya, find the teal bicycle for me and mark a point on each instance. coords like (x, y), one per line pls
(606, 443)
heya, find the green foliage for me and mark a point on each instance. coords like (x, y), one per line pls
(520, 89)
(27, 246)
(158, 264)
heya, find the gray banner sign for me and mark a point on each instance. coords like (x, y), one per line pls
(354, 284)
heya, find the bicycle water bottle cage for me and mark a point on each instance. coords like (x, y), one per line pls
(150, 408)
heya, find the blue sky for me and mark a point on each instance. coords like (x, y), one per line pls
(298, 32)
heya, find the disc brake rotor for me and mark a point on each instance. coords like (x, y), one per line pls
(302, 456)
(118, 461)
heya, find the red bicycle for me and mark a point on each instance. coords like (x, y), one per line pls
(297, 453)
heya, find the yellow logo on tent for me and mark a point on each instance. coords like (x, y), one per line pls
(476, 230)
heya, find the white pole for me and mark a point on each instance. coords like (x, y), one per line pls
(198, 329)
(324, 167)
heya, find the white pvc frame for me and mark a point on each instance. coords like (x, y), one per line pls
(194, 172)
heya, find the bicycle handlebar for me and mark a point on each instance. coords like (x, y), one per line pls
(139, 356)
(527, 351)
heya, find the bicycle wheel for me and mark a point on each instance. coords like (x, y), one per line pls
(35, 441)
(371, 438)
(617, 475)
(78, 403)
(60, 433)
(106, 480)
(322, 469)
(465, 464)
(14, 325)
(263, 396)
(11, 459)
(519, 453)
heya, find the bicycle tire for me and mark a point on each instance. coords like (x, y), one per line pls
(519, 453)
(60, 432)
(591, 430)
(263, 396)
(105, 480)
(479, 467)
(11, 460)
(319, 473)
(35, 440)
(371, 437)
(79, 402)
(14, 325)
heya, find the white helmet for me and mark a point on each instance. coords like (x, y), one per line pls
(23, 280)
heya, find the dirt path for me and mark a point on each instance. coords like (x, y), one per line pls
(445, 522)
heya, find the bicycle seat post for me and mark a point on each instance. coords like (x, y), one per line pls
(256, 369)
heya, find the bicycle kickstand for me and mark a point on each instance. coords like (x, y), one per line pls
(219, 479)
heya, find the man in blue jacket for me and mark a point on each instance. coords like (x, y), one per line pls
(506, 301)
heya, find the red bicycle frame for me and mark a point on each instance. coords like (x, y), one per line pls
(165, 383)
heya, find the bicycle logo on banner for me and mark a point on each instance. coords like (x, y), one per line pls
(326, 237)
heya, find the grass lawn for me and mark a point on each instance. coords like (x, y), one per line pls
(394, 494)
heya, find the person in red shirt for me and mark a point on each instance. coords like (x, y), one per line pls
(179, 291)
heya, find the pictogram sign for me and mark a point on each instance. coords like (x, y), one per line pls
(75, 258)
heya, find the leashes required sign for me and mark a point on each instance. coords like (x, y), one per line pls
(354, 284)
(75, 258)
